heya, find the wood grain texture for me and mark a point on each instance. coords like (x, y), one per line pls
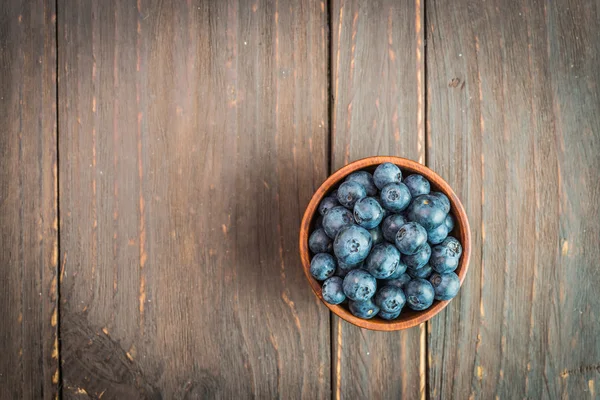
(192, 135)
(377, 87)
(28, 205)
(513, 126)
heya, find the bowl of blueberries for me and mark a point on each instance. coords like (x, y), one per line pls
(385, 243)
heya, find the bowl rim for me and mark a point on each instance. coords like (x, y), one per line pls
(414, 167)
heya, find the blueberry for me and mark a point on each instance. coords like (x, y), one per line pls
(444, 264)
(417, 184)
(443, 199)
(359, 285)
(386, 213)
(453, 244)
(395, 197)
(400, 282)
(419, 259)
(419, 294)
(390, 298)
(345, 268)
(319, 222)
(382, 261)
(333, 194)
(336, 219)
(368, 213)
(410, 237)
(445, 286)
(437, 235)
(405, 215)
(400, 269)
(349, 193)
(386, 173)
(322, 266)
(423, 272)
(376, 235)
(319, 242)
(443, 259)
(340, 272)
(363, 309)
(449, 222)
(388, 316)
(391, 225)
(332, 290)
(327, 204)
(352, 244)
(427, 210)
(365, 179)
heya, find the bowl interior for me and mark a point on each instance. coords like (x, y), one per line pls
(408, 318)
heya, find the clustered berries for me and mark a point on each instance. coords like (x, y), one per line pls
(382, 242)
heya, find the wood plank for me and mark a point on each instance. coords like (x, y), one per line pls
(28, 203)
(513, 126)
(377, 84)
(193, 135)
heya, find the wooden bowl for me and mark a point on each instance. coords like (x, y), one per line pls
(408, 318)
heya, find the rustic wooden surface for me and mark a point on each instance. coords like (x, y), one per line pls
(28, 201)
(513, 126)
(191, 136)
(377, 65)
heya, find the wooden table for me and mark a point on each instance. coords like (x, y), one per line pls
(156, 159)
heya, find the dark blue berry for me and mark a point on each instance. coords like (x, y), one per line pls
(417, 184)
(419, 294)
(438, 234)
(327, 204)
(359, 285)
(390, 299)
(386, 213)
(388, 316)
(400, 282)
(453, 244)
(391, 225)
(349, 193)
(449, 222)
(340, 272)
(319, 222)
(363, 309)
(400, 269)
(443, 199)
(444, 263)
(422, 272)
(419, 259)
(395, 197)
(332, 290)
(445, 286)
(443, 259)
(386, 173)
(427, 210)
(368, 213)
(410, 237)
(322, 266)
(352, 244)
(382, 261)
(376, 235)
(365, 179)
(319, 242)
(345, 268)
(335, 219)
